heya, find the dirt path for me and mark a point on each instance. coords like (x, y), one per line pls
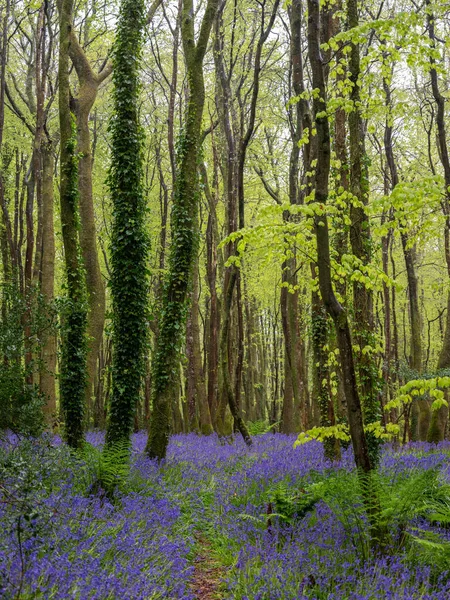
(208, 573)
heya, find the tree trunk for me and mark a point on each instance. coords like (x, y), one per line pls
(198, 408)
(337, 312)
(439, 418)
(184, 231)
(89, 83)
(360, 240)
(88, 241)
(73, 368)
(48, 368)
(129, 240)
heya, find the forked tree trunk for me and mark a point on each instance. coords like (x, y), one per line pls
(89, 83)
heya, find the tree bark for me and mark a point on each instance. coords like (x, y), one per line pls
(73, 369)
(48, 368)
(361, 243)
(439, 418)
(199, 414)
(321, 180)
(184, 231)
(89, 83)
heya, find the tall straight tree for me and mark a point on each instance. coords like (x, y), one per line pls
(295, 398)
(238, 133)
(129, 240)
(73, 367)
(439, 417)
(5, 14)
(360, 240)
(183, 251)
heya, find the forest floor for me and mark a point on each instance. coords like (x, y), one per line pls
(220, 521)
(208, 572)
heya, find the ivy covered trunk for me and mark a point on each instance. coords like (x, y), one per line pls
(73, 363)
(183, 251)
(129, 240)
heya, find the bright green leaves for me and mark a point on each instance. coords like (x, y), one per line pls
(434, 388)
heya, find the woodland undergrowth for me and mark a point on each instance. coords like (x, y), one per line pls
(274, 521)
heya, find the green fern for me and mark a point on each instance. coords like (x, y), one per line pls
(108, 468)
(260, 427)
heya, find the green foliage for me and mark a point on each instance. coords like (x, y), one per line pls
(432, 387)
(129, 240)
(260, 427)
(73, 308)
(398, 503)
(428, 547)
(107, 469)
(292, 504)
(341, 432)
(20, 400)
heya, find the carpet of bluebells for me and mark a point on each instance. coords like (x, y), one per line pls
(59, 539)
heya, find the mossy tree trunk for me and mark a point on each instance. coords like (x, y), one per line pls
(47, 269)
(73, 365)
(183, 251)
(129, 240)
(361, 243)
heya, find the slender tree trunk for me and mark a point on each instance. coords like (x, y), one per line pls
(4, 234)
(184, 231)
(360, 240)
(198, 408)
(40, 85)
(48, 368)
(421, 408)
(439, 418)
(337, 312)
(224, 354)
(213, 260)
(73, 369)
